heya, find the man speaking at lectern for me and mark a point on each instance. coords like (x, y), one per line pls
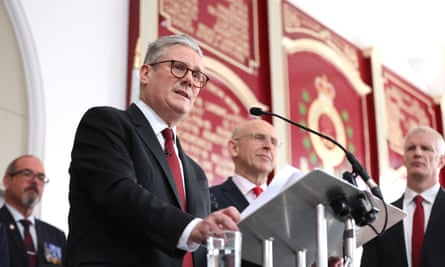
(403, 245)
(136, 198)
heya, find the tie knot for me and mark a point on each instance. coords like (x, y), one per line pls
(26, 223)
(257, 190)
(167, 133)
(418, 199)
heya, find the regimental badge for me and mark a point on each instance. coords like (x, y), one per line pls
(324, 117)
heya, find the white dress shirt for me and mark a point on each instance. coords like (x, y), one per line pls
(246, 186)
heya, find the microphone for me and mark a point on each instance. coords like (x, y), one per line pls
(356, 166)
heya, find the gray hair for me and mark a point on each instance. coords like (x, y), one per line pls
(159, 47)
(440, 142)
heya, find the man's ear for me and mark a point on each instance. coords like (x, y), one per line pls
(442, 161)
(143, 73)
(6, 181)
(233, 148)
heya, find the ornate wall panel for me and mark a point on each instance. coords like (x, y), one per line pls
(325, 92)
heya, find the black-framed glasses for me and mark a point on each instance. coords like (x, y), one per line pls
(260, 139)
(180, 69)
(28, 175)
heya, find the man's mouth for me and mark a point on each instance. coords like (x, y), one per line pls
(267, 157)
(183, 93)
(417, 164)
(32, 188)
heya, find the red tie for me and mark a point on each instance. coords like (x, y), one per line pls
(418, 231)
(173, 161)
(257, 190)
(29, 244)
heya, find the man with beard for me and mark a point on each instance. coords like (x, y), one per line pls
(31, 242)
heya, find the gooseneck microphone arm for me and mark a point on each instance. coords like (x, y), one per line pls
(357, 168)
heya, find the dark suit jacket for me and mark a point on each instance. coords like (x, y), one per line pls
(4, 251)
(46, 234)
(389, 250)
(227, 194)
(124, 206)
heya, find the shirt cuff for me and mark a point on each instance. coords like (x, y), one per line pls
(183, 240)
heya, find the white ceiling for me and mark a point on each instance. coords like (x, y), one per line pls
(410, 34)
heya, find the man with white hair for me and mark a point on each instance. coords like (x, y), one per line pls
(424, 198)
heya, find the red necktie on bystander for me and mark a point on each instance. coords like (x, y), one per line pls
(29, 244)
(257, 190)
(418, 231)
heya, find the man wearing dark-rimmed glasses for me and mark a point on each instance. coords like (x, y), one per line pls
(31, 241)
(180, 69)
(136, 198)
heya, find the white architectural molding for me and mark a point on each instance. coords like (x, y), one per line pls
(31, 66)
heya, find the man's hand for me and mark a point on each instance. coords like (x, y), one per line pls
(215, 224)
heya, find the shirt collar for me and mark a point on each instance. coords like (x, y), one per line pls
(428, 195)
(18, 216)
(244, 184)
(153, 118)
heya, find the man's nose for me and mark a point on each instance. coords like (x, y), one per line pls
(418, 150)
(189, 77)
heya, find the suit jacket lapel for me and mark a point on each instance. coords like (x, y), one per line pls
(146, 133)
(435, 222)
(41, 248)
(234, 195)
(189, 181)
(399, 231)
(436, 213)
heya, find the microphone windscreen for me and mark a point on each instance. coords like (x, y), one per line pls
(256, 111)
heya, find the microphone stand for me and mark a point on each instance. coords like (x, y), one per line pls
(364, 214)
(349, 242)
(357, 168)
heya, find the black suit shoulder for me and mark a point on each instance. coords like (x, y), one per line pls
(227, 194)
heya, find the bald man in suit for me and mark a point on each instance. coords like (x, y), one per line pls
(253, 148)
